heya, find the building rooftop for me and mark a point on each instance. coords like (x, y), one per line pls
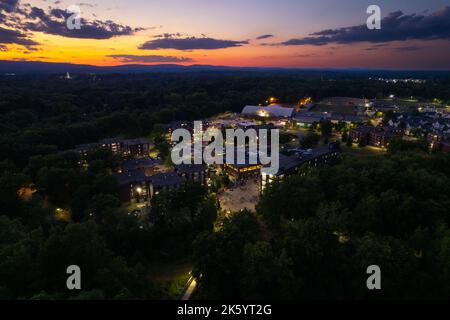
(287, 163)
(135, 141)
(353, 118)
(139, 163)
(247, 162)
(247, 124)
(130, 177)
(190, 168)
(110, 141)
(309, 117)
(272, 111)
(344, 101)
(386, 133)
(364, 129)
(162, 180)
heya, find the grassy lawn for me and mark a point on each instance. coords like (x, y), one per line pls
(367, 151)
(171, 277)
(128, 207)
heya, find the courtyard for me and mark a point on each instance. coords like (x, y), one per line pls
(241, 195)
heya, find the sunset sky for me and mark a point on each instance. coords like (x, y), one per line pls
(284, 33)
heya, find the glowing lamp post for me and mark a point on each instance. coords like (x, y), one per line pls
(272, 100)
(139, 192)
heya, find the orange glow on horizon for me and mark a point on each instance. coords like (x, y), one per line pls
(97, 52)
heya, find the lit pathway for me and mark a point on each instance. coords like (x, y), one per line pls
(190, 287)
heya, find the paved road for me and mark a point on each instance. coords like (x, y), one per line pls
(190, 287)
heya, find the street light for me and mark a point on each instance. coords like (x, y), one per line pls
(139, 192)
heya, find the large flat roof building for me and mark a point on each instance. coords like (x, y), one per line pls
(344, 101)
(136, 185)
(135, 147)
(289, 165)
(272, 111)
(375, 136)
(306, 119)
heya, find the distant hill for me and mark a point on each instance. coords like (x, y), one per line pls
(35, 67)
(39, 67)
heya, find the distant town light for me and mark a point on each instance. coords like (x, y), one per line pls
(139, 190)
(305, 101)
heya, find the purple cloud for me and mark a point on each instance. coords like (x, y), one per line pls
(170, 41)
(127, 58)
(265, 36)
(395, 27)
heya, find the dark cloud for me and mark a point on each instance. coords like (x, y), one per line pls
(169, 35)
(316, 41)
(8, 36)
(20, 19)
(265, 36)
(171, 41)
(9, 5)
(395, 27)
(126, 58)
(54, 22)
(385, 46)
(408, 48)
